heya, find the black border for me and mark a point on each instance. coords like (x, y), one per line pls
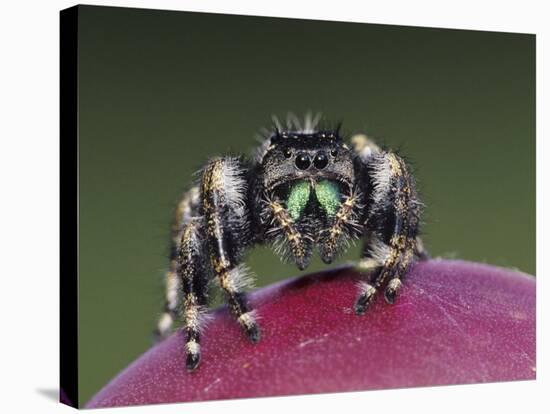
(69, 206)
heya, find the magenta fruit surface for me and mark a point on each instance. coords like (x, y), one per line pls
(453, 323)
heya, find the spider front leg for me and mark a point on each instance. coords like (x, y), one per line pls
(223, 191)
(392, 225)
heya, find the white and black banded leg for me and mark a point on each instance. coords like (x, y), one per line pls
(193, 277)
(395, 211)
(233, 280)
(223, 190)
(186, 208)
(371, 264)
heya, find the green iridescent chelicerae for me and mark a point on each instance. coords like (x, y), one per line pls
(326, 192)
(328, 195)
(298, 199)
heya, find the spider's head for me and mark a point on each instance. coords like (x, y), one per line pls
(306, 155)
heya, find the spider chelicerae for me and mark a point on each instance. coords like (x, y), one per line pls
(305, 189)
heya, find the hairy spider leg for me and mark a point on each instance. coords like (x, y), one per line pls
(193, 275)
(186, 208)
(223, 189)
(394, 219)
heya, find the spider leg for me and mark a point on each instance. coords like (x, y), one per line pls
(393, 220)
(193, 276)
(223, 189)
(185, 210)
(364, 146)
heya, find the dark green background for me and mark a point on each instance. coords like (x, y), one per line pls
(161, 92)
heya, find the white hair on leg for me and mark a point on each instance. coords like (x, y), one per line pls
(172, 289)
(164, 324)
(234, 184)
(238, 279)
(192, 347)
(204, 318)
(382, 175)
(366, 290)
(379, 251)
(196, 317)
(248, 319)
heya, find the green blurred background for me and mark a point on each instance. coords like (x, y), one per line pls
(161, 92)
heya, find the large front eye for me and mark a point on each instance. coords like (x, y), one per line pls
(321, 160)
(287, 152)
(302, 161)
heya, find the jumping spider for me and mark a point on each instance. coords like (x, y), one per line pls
(305, 189)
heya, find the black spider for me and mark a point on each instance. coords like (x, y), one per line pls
(305, 189)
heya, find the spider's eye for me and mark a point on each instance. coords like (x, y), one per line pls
(334, 153)
(302, 161)
(287, 152)
(321, 160)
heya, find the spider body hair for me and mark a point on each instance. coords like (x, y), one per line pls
(305, 190)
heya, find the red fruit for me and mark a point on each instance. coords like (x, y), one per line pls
(453, 323)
